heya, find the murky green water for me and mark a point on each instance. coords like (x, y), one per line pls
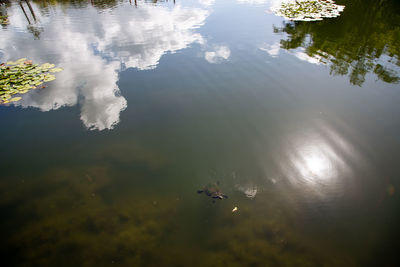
(298, 121)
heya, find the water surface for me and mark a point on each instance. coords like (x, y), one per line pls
(297, 121)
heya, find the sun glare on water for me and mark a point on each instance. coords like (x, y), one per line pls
(316, 162)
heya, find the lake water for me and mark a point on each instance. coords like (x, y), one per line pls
(298, 122)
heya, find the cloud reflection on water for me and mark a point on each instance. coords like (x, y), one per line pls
(271, 49)
(252, 2)
(275, 49)
(92, 56)
(142, 39)
(207, 2)
(219, 54)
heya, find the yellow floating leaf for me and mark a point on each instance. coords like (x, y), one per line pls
(56, 70)
(21, 60)
(15, 99)
(47, 66)
(49, 78)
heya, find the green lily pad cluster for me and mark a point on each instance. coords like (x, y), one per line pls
(20, 76)
(308, 10)
(4, 20)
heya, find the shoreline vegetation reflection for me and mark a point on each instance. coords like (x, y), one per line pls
(346, 46)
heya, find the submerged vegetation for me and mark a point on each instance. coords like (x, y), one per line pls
(308, 10)
(21, 76)
(74, 221)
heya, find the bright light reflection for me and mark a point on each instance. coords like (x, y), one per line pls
(317, 165)
(316, 161)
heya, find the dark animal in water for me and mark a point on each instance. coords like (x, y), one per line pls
(212, 190)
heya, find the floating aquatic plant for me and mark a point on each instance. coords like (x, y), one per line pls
(4, 20)
(308, 10)
(21, 76)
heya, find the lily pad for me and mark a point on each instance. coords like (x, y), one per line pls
(308, 10)
(4, 20)
(49, 78)
(15, 99)
(56, 70)
(47, 66)
(20, 76)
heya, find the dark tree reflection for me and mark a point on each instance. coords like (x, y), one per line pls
(365, 39)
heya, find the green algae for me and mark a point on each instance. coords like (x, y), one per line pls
(21, 76)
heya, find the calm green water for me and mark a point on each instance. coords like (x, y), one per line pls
(299, 123)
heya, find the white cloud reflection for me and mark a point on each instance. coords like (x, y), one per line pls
(149, 33)
(252, 2)
(219, 54)
(272, 50)
(91, 56)
(275, 49)
(316, 59)
(207, 2)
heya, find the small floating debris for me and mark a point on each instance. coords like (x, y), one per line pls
(21, 76)
(249, 190)
(308, 10)
(212, 190)
(234, 209)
